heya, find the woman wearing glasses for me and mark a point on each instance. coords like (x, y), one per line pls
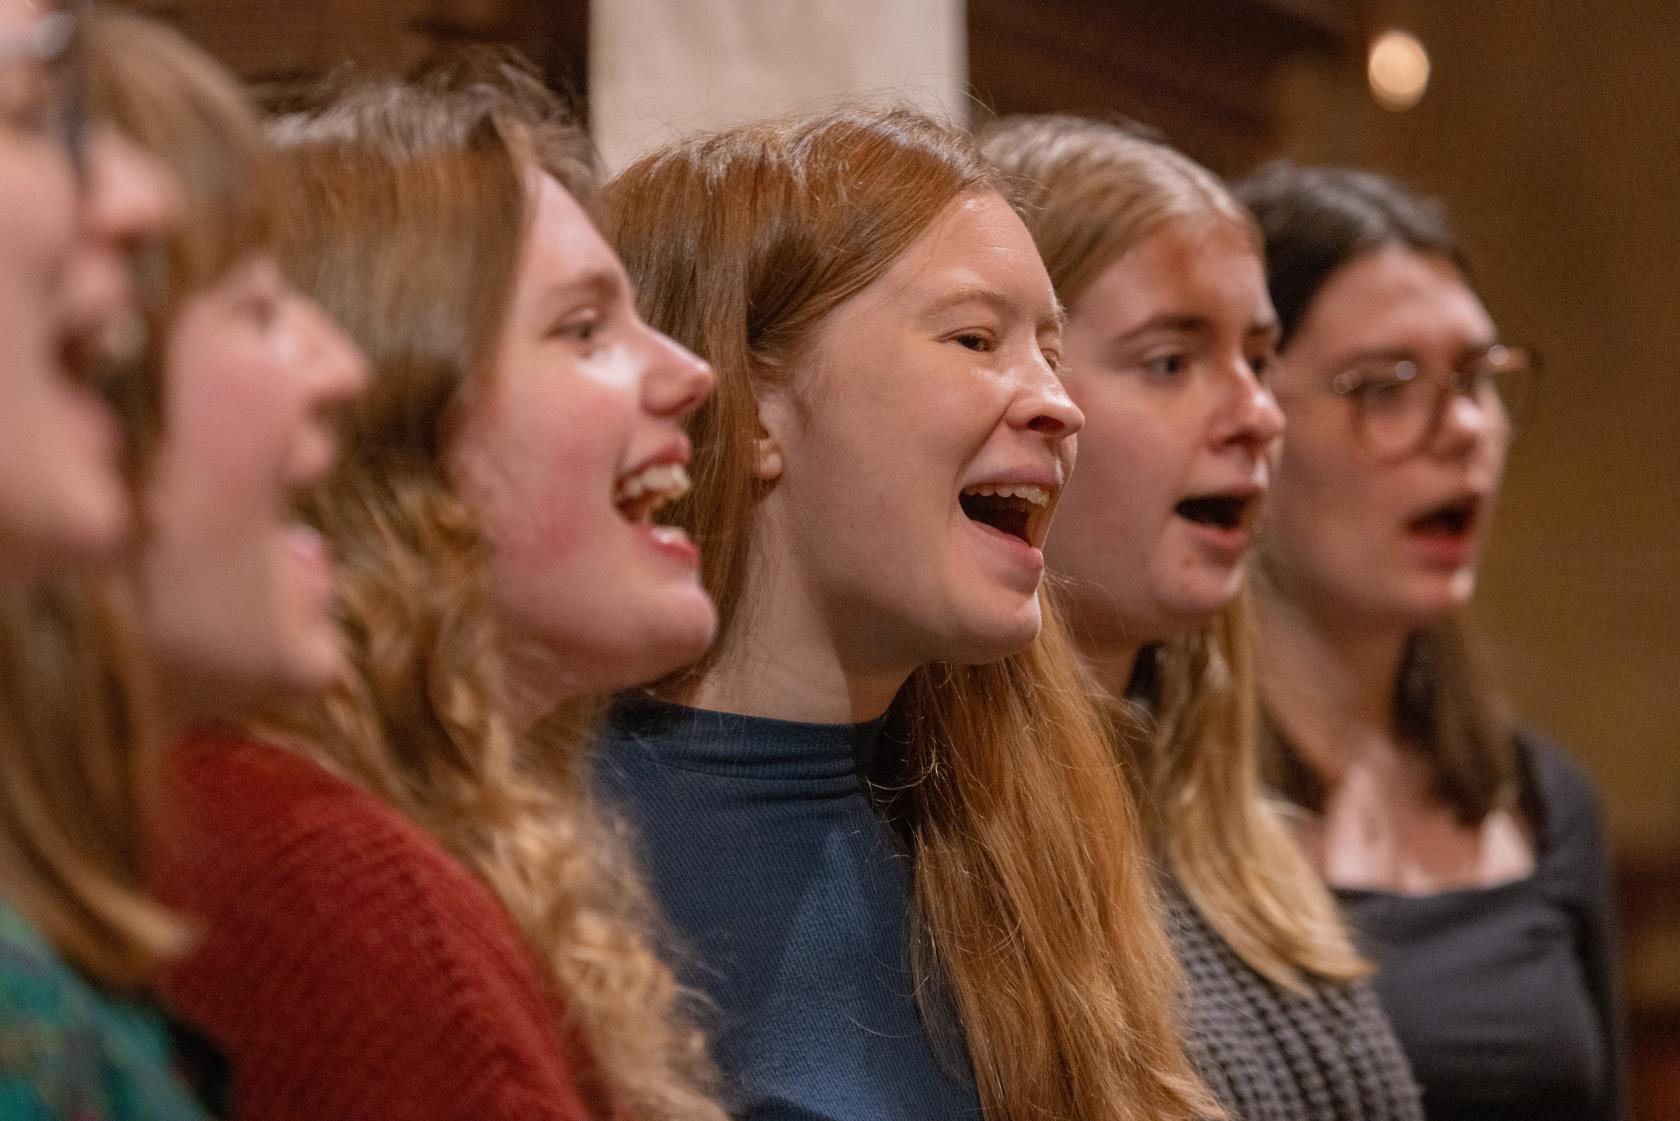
(1469, 854)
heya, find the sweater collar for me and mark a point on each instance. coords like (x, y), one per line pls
(754, 747)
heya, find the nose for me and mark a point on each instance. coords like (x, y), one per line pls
(1467, 423)
(1043, 405)
(1249, 414)
(130, 196)
(337, 369)
(676, 381)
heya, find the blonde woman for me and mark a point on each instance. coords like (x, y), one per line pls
(881, 814)
(1169, 347)
(409, 909)
(1468, 852)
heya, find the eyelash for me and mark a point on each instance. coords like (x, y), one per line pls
(582, 330)
(981, 337)
(1156, 365)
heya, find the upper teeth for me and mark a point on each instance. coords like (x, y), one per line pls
(669, 481)
(1038, 496)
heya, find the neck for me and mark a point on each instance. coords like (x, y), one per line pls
(1111, 663)
(536, 683)
(1330, 682)
(786, 659)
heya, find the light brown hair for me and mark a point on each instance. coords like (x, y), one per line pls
(1034, 911)
(409, 208)
(1316, 220)
(1091, 191)
(74, 719)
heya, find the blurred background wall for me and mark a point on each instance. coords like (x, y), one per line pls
(1550, 128)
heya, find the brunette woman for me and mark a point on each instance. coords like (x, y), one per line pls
(409, 910)
(1168, 351)
(78, 936)
(1469, 853)
(881, 813)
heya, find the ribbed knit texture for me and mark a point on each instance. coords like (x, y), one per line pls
(1273, 1055)
(789, 900)
(351, 969)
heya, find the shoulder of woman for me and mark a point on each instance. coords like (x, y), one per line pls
(66, 1051)
(1572, 821)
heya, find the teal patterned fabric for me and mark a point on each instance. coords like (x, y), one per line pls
(71, 1053)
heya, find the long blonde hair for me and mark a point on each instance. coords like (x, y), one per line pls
(75, 722)
(1035, 916)
(408, 213)
(1091, 192)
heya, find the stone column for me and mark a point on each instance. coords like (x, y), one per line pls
(661, 68)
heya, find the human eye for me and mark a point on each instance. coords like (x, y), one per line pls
(1263, 365)
(582, 327)
(981, 342)
(1167, 366)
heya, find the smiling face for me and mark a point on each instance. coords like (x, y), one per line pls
(1394, 541)
(237, 594)
(575, 443)
(915, 459)
(64, 283)
(1166, 352)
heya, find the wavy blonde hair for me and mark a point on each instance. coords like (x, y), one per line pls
(1035, 917)
(1091, 191)
(75, 720)
(409, 210)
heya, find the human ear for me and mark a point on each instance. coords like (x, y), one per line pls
(766, 449)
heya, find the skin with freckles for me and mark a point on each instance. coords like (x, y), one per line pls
(252, 370)
(584, 394)
(1167, 354)
(938, 376)
(64, 284)
(1338, 526)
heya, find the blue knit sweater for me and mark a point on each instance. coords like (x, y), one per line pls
(788, 896)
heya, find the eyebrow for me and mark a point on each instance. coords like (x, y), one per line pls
(595, 284)
(992, 298)
(1198, 325)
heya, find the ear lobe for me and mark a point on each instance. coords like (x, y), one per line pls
(767, 447)
(767, 457)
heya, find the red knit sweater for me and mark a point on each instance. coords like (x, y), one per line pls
(352, 969)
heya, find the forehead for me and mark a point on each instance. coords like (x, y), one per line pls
(1396, 298)
(563, 243)
(1187, 261)
(977, 241)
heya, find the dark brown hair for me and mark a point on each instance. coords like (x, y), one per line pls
(1317, 220)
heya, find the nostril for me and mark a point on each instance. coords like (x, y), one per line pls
(1048, 425)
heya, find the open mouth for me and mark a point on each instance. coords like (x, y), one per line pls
(1221, 511)
(1014, 510)
(1452, 519)
(641, 494)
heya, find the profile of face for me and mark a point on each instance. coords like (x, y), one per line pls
(916, 456)
(1168, 352)
(236, 591)
(575, 444)
(65, 293)
(1388, 539)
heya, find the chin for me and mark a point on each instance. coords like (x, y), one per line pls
(992, 638)
(676, 634)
